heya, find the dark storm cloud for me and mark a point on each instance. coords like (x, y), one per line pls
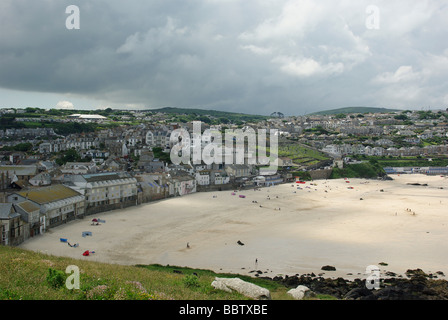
(250, 56)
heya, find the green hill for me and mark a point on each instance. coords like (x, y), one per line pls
(213, 113)
(29, 275)
(354, 110)
(367, 170)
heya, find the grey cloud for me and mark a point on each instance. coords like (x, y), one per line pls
(248, 56)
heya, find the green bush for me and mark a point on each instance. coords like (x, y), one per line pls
(191, 281)
(55, 278)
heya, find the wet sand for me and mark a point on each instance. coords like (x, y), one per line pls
(295, 231)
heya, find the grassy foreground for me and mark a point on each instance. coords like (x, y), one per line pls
(29, 275)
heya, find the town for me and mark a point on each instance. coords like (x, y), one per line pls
(61, 165)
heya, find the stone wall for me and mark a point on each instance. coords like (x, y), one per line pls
(320, 174)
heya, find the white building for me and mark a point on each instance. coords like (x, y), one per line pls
(203, 177)
(104, 191)
(219, 177)
(332, 149)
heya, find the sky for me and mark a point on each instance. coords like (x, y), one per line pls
(250, 56)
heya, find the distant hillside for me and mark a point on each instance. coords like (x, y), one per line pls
(213, 113)
(355, 110)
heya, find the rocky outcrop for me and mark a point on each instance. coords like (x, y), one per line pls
(245, 288)
(417, 286)
(301, 292)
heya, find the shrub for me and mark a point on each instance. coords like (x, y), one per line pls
(191, 281)
(55, 278)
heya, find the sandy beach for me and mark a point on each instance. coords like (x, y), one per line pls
(287, 230)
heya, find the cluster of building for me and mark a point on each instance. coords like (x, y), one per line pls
(42, 195)
(120, 168)
(360, 149)
(376, 135)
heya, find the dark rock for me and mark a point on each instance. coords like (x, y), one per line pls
(417, 287)
(358, 294)
(390, 274)
(328, 268)
(415, 272)
(291, 282)
(391, 293)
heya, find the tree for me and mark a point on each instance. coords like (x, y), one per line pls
(162, 156)
(401, 117)
(31, 110)
(24, 147)
(70, 155)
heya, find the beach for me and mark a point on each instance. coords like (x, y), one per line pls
(287, 229)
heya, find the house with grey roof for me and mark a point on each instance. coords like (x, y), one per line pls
(22, 172)
(58, 203)
(78, 167)
(30, 214)
(181, 183)
(152, 186)
(41, 179)
(238, 170)
(11, 226)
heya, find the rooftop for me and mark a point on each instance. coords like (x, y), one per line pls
(27, 206)
(87, 116)
(24, 170)
(6, 211)
(96, 177)
(48, 194)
